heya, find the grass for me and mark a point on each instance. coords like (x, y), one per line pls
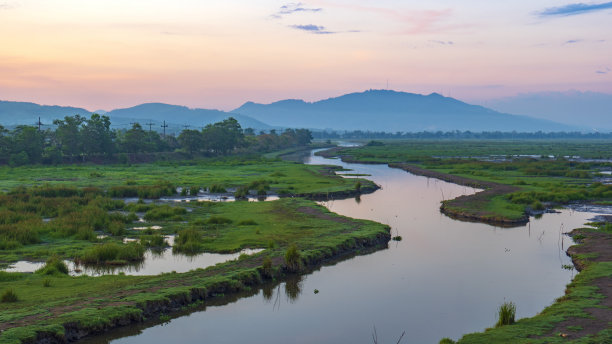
(98, 302)
(529, 183)
(9, 295)
(112, 254)
(506, 314)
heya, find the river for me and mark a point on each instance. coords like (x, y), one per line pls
(444, 279)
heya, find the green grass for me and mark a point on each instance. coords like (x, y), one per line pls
(219, 173)
(506, 314)
(96, 302)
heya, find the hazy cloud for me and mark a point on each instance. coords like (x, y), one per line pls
(574, 9)
(442, 42)
(294, 7)
(605, 70)
(5, 5)
(316, 29)
(572, 41)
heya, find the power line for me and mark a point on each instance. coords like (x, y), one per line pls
(150, 125)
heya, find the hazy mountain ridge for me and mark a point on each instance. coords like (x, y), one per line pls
(590, 109)
(20, 113)
(385, 110)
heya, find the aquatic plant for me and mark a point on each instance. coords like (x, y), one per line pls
(187, 241)
(54, 265)
(112, 253)
(293, 261)
(506, 314)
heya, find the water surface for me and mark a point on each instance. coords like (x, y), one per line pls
(444, 279)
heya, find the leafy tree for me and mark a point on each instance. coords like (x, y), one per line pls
(135, 139)
(29, 140)
(191, 140)
(97, 136)
(68, 135)
(222, 137)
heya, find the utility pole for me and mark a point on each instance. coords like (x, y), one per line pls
(164, 126)
(150, 125)
(186, 126)
(132, 123)
(39, 123)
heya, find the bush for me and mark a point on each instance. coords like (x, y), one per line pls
(241, 192)
(506, 314)
(266, 267)
(293, 261)
(156, 240)
(9, 296)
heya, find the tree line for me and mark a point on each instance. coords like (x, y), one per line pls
(457, 134)
(77, 138)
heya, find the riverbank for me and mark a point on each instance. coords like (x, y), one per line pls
(583, 314)
(58, 309)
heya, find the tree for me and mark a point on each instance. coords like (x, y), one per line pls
(222, 137)
(135, 139)
(68, 135)
(191, 140)
(96, 136)
(28, 140)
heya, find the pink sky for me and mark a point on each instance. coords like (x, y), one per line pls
(111, 54)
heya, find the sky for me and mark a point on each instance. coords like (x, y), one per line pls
(219, 54)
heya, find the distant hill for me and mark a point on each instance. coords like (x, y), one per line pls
(384, 110)
(180, 115)
(588, 109)
(16, 113)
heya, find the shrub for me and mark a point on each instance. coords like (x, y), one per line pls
(358, 186)
(156, 240)
(447, 341)
(506, 314)
(241, 192)
(46, 283)
(293, 260)
(9, 295)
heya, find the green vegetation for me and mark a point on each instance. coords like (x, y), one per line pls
(505, 314)
(9, 295)
(557, 322)
(95, 303)
(293, 261)
(112, 254)
(54, 266)
(519, 176)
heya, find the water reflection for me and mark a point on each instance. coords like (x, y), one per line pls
(444, 279)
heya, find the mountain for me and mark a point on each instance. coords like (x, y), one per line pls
(391, 111)
(16, 113)
(181, 115)
(589, 109)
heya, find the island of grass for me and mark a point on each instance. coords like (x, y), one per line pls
(516, 185)
(518, 178)
(295, 235)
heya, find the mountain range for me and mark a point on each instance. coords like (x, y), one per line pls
(373, 110)
(391, 111)
(589, 109)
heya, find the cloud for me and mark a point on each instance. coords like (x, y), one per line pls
(574, 9)
(605, 70)
(572, 41)
(319, 30)
(293, 7)
(5, 5)
(442, 42)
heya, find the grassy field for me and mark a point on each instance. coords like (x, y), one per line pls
(517, 184)
(46, 301)
(283, 176)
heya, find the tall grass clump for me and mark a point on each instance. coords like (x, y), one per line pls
(165, 212)
(217, 188)
(155, 240)
(112, 254)
(9, 295)
(54, 266)
(506, 314)
(218, 220)
(187, 241)
(293, 261)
